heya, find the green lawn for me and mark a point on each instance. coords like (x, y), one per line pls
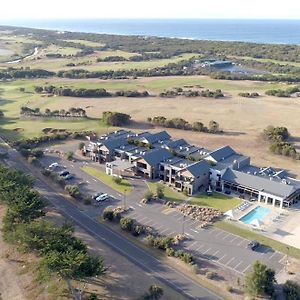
(124, 188)
(170, 194)
(217, 200)
(235, 229)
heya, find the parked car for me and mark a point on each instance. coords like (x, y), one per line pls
(64, 173)
(96, 195)
(54, 165)
(253, 245)
(227, 192)
(69, 176)
(252, 199)
(218, 189)
(102, 197)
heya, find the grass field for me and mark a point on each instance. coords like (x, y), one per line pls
(86, 43)
(170, 194)
(124, 188)
(217, 200)
(232, 228)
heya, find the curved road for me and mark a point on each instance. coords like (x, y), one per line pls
(168, 275)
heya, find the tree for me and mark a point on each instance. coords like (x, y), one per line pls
(69, 155)
(126, 223)
(160, 191)
(108, 214)
(1, 114)
(260, 281)
(291, 290)
(213, 127)
(73, 191)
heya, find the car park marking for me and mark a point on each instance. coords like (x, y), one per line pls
(216, 253)
(233, 239)
(246, 269)
(190, 246)
(200, 247)
(273, 255)
(143, 219)
(222, 257)
(165, 230)
(168, 211)
(232, 259)
(219, 233)
(206, 251)
(238, 264)
(240, 243)
(227, 235)
(195, 230)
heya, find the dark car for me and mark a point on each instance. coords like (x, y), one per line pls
(253, 245)
(64, 173)
(218, 189)
(228, 192)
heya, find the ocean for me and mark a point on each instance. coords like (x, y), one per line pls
(255, 31)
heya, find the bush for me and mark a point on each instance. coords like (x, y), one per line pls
(69, 155)
(46, 172)
(184, 256)
(126, 223)
(160, 191)
(137, 230)
(108, 214)
(195, 268)
(229, 289)
(170, 251)
(291, 290)
(87, 201)
(117, 179)
(73, 191)
(81, 145)
(148, 195)
(211, 275)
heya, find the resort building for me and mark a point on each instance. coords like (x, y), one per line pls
(189, 168)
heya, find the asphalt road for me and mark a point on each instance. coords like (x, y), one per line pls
(169, 276)
(215, 245)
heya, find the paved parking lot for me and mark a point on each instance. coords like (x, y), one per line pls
(221, 247)
(218, 246)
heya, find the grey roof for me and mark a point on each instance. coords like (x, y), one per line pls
(155, 137)
(222, 153)
(198, 168)
(175, 143)
(259, 183)
(114, 143)
(156, 156)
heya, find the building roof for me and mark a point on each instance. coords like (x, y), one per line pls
(198, 168)
(156, 156)
(268, 185)
(156, 137)
(113, 143)
(175, 143)
(222, 153)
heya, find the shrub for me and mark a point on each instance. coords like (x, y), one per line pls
(81, 145)
(116, 215)
(160, 191)
(46, 172)
(87, 201)
(69, 155)
(73, 191)
(170, 251)
(291, 290)
(184, 256)
(126, 223)
(229, 289)
(211, 275)
(108, 214)
(117, 179)
(137, 230)
(195, 268)
(148, 195)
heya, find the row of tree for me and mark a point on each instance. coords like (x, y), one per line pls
(278, 138)
(179, 123)
(60, 251)
(284, 93)
(249, 95)
(87, 93)
(192, 93)
(13, 73)
(72, 112)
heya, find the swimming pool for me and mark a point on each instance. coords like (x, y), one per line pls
(258, 212)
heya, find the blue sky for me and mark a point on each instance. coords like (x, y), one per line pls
(218, 9)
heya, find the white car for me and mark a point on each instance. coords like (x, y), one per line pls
(102, 197)
(54, 165)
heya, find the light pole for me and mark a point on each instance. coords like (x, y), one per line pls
(124, 204)
(287, 259)
(183, 220)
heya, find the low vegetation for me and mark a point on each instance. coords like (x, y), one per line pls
(249, 95)
(115, 118)
(192, 93)
(284, 93)
(62, 113)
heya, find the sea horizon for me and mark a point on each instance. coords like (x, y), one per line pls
(268, 31)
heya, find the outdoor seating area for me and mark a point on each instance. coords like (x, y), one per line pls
(244, 206)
